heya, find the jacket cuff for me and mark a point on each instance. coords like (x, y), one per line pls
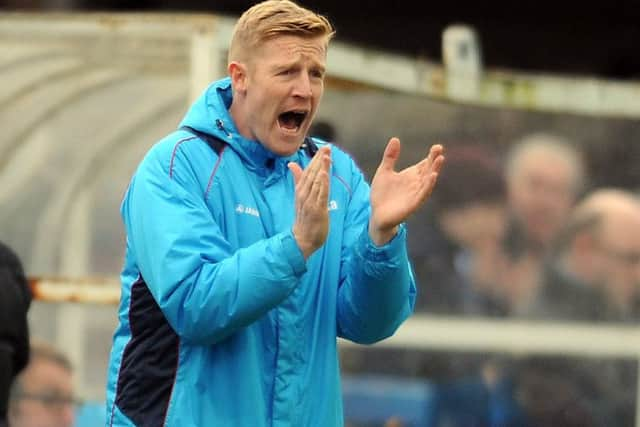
(390, 251)
(294, 253)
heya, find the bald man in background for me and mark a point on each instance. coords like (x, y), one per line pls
(592, 274)
(594, 269)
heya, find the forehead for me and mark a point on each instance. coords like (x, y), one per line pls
(44, 372)
(623, 227)
(541, 162)
(292, 48)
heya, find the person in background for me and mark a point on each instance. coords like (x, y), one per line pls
(593, 271)
(461, 256)
(42, 395)
(545, 176)
(15, 299)
(592, 274)
(324, 130)
(251, 247)
(461, 259)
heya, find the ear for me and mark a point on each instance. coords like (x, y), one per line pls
(238, 73)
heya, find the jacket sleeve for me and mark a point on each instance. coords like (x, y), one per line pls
(206, 290)
(377, 289)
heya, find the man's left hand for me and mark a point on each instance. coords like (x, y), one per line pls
(396, 195)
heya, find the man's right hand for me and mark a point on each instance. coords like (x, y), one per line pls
(311, 225)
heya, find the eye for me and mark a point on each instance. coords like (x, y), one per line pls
(318, 74)
(287, 72)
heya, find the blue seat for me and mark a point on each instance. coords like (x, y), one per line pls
(372, 399)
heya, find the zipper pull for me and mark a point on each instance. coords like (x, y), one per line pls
(220, 125)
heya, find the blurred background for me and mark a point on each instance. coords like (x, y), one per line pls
(527, 256)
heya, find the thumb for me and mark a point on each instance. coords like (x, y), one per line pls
(296, 170)
(391, 154)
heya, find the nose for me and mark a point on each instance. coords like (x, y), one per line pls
(302, 87)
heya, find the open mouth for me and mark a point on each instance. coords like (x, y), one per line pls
(290, 121)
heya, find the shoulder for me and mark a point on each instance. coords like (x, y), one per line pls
(176, 154)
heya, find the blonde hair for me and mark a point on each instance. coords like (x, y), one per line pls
(273, 18)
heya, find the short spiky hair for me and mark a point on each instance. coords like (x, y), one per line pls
(273, 18)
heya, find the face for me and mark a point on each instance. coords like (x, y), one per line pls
(277, 92)
(541, 194)
(477, 227)
(47, 397)
(618, 263)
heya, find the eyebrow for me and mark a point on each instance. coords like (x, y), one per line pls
(294, 64)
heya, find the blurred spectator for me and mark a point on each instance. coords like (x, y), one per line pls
(42, 395)
(458, 263)
(593, 272)
(15, 298)
(545, 176)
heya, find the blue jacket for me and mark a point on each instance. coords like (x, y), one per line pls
(221, 320)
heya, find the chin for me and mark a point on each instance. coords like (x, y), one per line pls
(286, 153)
(285, 148)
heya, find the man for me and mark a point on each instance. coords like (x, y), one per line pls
(469, 215)
(42, 395)
(594, 273)
(545, 176)
(248, 251)
(15, 299)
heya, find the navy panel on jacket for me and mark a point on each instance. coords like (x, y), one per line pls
(149, 362)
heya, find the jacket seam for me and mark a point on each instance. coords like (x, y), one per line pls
(175, 150)
(213, 173)
(173, 386)
(344, 182)
(115, 395)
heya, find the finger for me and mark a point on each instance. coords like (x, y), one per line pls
(431, 163)
(306, 180)
(323, 195)
(436, 150)
(319, 190)
(324, 184)
(431, 181)
(391, 154)
(438, 163)
(315, 165)
(304, 189)
(296, 170)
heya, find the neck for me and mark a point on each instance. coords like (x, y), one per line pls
(236, 112)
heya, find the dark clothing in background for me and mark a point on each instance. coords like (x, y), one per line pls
(566, 391)
(440, 287)
(15, 299)
(441, 275)
(563, 391)
(562, 297)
